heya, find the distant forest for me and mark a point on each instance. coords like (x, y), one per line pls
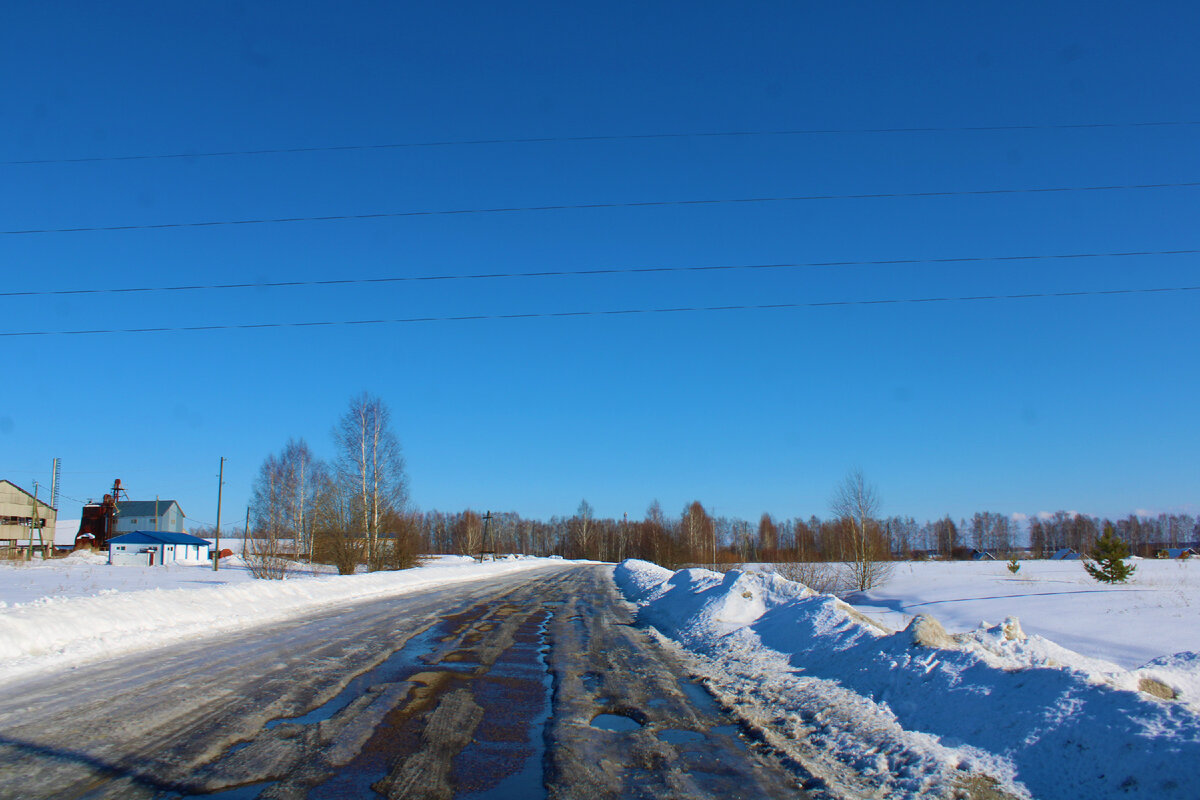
(354, 510)
(695, 537)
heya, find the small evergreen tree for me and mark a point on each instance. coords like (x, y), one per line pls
(1106, 562)
(1013, 566)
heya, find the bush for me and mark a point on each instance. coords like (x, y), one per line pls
(820, 576)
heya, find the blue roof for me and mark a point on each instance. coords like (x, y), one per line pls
(158, 537)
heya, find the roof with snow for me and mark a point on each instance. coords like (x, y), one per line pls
(144, 508)
(157, 537)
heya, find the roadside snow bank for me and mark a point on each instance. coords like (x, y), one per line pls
(51, 631)
(916, 710)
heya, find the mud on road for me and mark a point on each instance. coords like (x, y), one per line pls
(526, 687)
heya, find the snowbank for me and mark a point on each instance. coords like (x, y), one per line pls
(915, 706)
(52, 631)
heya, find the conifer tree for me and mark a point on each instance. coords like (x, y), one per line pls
(1106, 562)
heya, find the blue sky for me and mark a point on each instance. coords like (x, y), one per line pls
(1014, 406)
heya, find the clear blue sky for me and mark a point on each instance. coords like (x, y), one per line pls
(1084, 403)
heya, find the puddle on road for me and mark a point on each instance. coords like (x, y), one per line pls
(249, 791)
(734, 732)
(700, 697)
(498, 741)
(393, 669)
(618, 723)
(680, 736)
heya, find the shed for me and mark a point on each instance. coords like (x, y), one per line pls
(151, 548)
(982, 555)
(1065, 554)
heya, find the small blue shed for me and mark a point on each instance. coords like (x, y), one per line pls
(151, 548)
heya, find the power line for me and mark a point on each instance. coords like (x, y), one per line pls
(607, 313)
(639, 204)
(603, 138)
(598, 271)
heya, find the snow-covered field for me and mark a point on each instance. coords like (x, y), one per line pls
(1153, 615)
(61, 611)
(913, 714)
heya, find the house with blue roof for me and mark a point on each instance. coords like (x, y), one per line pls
(154, 548)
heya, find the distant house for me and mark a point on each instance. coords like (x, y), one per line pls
(23, 518)
(982, 555)
(149, 515)
(154, 548)
(1176, 552)
(1065, 554)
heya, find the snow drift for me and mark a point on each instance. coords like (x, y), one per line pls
(911, 708)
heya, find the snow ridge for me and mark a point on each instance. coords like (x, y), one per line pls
(917, 720)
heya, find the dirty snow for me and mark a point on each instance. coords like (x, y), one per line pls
(63, 611)
(1039, 718)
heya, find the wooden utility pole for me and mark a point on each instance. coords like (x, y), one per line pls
(220, 485)
(483, 540)
(33, 520)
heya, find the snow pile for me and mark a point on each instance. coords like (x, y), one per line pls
(916, 711)
(51, 631)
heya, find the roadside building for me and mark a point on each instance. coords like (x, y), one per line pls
(154, 548)
(149, 515)
(22, 516)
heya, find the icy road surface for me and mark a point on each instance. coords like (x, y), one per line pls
(526, 686)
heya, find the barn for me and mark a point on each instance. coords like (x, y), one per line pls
(153, 548)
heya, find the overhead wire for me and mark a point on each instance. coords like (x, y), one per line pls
(596, 271)
(602, 138)
(605, 313)
(581, 206)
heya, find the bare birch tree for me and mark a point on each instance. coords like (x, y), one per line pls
(370, 460)
(581, 529)
(856, 502)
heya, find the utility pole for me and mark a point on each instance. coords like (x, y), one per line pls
(483, 541)
(33, 519)
(220, 485)
(246, 532)
(155, 512)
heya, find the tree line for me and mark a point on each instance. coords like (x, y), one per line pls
(353, 510)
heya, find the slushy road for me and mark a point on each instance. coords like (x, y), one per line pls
(527, 686)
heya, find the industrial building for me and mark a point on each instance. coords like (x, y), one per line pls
(22, 515)
(148, 515)
(155, 548)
